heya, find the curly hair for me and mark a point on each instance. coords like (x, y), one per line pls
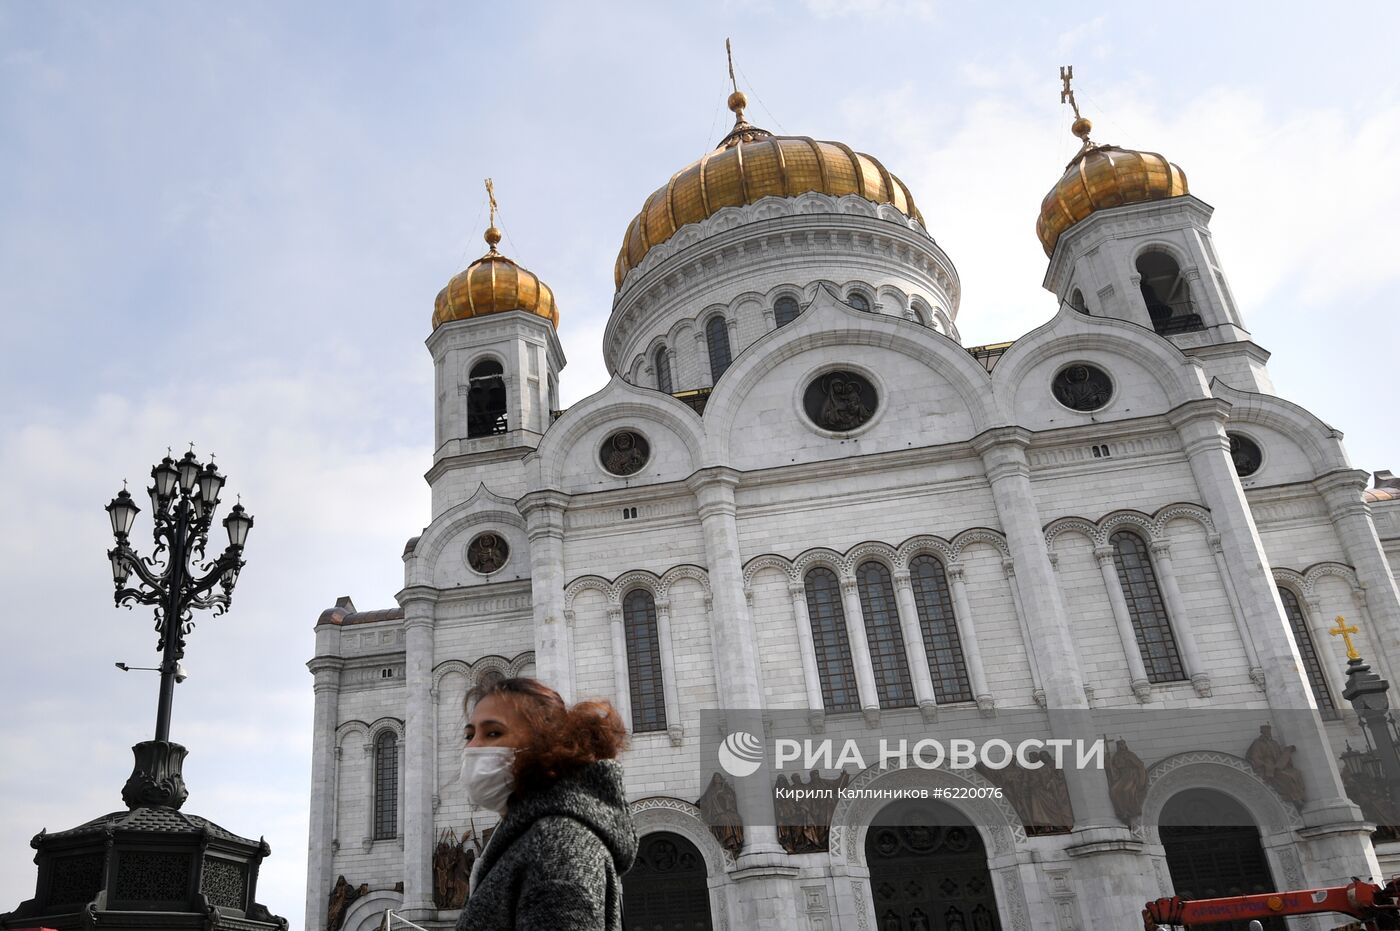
(562, 738)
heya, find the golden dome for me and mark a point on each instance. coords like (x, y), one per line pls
(750, 164)
(494, 284)
(1104, 176)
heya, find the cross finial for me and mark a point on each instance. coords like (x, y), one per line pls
(1067, 92)
(1345, 630)
(493, 235)
(737, 100)
(1081, 125)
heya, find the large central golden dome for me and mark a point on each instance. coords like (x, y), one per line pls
(750, 164)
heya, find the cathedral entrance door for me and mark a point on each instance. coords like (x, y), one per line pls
(928, 870)
(665, 890)
(1213, 850)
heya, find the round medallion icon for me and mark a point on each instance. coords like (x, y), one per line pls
(741, 754)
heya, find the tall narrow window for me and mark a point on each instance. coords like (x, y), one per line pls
(1306, 649)
(1076, 300)
(785, 310)
(717, 337)
(662, 364)
(858, 301)
(643, 661)
(833, 647)
(486, 399)
(940, 630)
(386, 786)
(882, 633)
(1149, 614)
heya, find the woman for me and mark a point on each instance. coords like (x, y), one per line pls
(555, 861)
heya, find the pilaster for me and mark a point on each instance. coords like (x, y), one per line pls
(418, 602)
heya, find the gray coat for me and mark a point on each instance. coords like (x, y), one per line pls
(555, 862)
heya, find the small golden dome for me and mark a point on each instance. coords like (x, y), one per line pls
(1103, 176)
(493, 284)
(750, 164)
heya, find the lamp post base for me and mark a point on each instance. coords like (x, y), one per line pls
(156, 780)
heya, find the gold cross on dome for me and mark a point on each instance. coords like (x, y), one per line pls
(729, 53)
(1345, 630)
(1067, 92)
(491, 196)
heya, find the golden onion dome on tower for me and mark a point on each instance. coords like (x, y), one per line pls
(749, 164)
(494, 284)
(1102, 176)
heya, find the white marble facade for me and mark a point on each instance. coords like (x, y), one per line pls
(1016, 492)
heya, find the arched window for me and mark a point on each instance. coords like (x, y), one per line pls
(833, 648)
(1167, 295)
(858, 301)
(643, 661)
(717, 338)
(663, 370)
(1306, 649)
(486, 399)
(386, 786)
(1076, 300)
(1145, 606)
(785, 310)
(666, 886)
(940, 630)
(882, 633)
(921, 316)
(1213, 850)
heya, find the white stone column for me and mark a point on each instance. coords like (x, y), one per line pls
(1123, 620)
(1008, 570)
(1333, 834)
(544, 525)
(967, 634)
(622, 695)
(1180, 618)
(702, 358)
(914, 643)
(418, 603)
(1251, 655)
(860, 651)
(762, 860)
(320, 850)
(1111, 873)
(1352, 519)
(807, 648)
(668, 672)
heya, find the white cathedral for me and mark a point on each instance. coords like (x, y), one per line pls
(800, 492)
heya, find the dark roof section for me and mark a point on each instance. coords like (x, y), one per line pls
(344, 613)
(151, 820)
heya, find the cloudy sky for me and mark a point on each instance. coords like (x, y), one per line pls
(226, 224)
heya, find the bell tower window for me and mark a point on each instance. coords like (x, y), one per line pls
(1076, 300)
(486, 399)
(1167, 294)
(858, 301)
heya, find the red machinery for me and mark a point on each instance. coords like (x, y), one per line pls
(1375, 908)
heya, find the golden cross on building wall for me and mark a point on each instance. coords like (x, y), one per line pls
(1345, 630)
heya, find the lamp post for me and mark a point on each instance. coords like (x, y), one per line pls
(184, 496)
(1375, 771)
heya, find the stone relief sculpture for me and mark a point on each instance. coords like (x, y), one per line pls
(1040, 796)
(341, 896)
(452, 868)
(720, 807)
(1127, 783)
(1274, 764)
(804, 823)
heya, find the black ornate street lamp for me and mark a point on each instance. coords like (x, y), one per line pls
(184, 496)
(153, 866)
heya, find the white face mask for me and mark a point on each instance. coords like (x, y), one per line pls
(487, 777)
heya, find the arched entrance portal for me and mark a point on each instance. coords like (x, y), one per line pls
(1213, 849)
(665, 890)
(928, 870)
